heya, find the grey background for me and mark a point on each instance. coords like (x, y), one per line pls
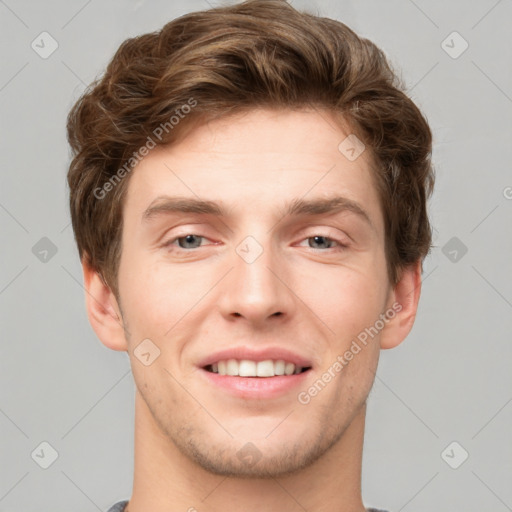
(450, 381)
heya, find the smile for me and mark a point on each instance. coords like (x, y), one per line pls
(248, 368)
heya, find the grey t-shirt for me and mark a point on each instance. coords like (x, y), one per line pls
(119, 507)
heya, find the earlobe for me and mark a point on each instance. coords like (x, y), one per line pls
(102, 310)
(404, 302)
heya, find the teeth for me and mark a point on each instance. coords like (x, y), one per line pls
(247, 368)
(265, 368)
(231, 367)
(279, 367)
(289, 368)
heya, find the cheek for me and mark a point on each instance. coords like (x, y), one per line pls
(148, 297)
(346, 299)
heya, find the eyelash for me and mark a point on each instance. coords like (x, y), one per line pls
(341, 245)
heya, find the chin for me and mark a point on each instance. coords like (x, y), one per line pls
(278, 456)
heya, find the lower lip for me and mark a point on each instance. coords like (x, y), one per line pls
(257, 387)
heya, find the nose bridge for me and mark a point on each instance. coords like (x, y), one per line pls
(255, 290)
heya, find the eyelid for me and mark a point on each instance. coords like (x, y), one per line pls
(184, 230)
(175, 238)
(330, 232)
(341, 244)
(325, 234)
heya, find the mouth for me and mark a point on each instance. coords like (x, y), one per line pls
(256, 380)
(260, 369)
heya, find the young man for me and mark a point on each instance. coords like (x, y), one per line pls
(248, 196)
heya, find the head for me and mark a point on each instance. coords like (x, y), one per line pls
(254, 116)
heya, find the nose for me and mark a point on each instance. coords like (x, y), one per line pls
(257, 287)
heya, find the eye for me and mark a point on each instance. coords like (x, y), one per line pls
(189, 241)
(193, 241)
(325, 240)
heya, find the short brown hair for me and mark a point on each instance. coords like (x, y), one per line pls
(259, 53)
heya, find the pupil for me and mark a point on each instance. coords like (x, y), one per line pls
(318, 239)
(188, 239)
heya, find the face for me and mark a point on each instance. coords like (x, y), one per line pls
(271, 281)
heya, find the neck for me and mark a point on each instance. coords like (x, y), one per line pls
(165, 480)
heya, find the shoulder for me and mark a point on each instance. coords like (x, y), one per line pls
(120, 506)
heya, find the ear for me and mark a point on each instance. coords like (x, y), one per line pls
(403, 301)
(102, 310)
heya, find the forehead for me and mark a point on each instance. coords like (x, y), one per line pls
(256, 161)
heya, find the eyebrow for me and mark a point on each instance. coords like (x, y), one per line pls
(297, 207)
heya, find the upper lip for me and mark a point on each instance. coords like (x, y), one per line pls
(252, 354)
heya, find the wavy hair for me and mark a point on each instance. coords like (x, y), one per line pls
(259, 53)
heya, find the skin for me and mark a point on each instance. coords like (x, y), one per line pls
(203, 296)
